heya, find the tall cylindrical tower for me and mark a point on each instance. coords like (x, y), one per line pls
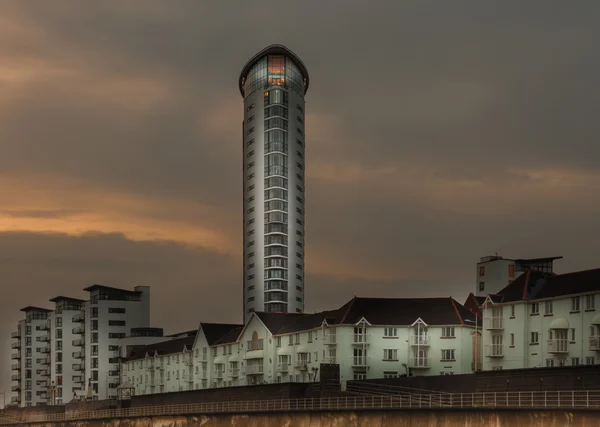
(273, 84)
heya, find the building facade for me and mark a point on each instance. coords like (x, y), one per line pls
(543, 320)
(495, 272)
(273, 84)
(367, 338)
(60, 353)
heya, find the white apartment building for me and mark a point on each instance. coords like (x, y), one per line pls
(367, 338)
(78, 345)
(543, 320)
(495, 272)
(31, 358)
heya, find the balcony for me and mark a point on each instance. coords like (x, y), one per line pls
(494, 323)
(78, 380)
(329, 360)
(419, 362)
(44, 326)
(42, 383)
(113, 373)
(595, 343)
(419, 340)
(79, 343)
(79, 367)
(79, 354)
(494, 350)
(79, 317)
(43, 338)
(218, 374)
(16, 377)
(253, 370)
(43, 361)
(329, 338)
(359, 362)
(16, 367)
(559, 346)
(16, 345)
(302, 365)
(16, 334)
(16, 399)
(45, 350)
(78, 330)
(360, 339)
(235, 372)
(16, 388)
(16, 356)
(43, 372)
(283, 367)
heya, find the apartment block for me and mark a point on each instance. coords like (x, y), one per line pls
(495, 272)
(543, 319)
(367, 338)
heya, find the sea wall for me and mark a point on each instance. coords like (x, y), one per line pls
(437, 418)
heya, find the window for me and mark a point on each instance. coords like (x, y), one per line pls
(535, 308)
(572, 335)
(250, 107)
(299, 154)
(390, 374)
(251, 118)
(310, 336)
(448, 332)
(589, 360)
(114, 310)
(58, 335)
(251, 254)
(250, 232)
(299, 244)
(58, 322)
(250, 153)
(250, 266)
(94, 337)
(299, 142)
(512, 311)
(549, 363)
(574, 361)
(58, 345)
(299, 131)
(575, 304)
(448, 355)
(250, 187)
(297, 338)
(278, 341)
(512, 340)
(116, 323)
(250, 199)
(290, 340)
(299, 108)
(250, 131)
(534, 338)
(251, 243)
(94, 325)
(250, 142)
(481, 271)
(116, 335)
(511, 270)
(250, 165)
(481, 286)
(250, 176)
(299, 221)
(548, 308)
(590, 303)
(390, 354)
(299, 119)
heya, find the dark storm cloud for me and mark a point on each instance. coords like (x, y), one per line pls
(437, 132)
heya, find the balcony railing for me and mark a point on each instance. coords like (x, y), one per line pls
(113, 373)
(329, 359)
(45, 350)
(78, 380)
(43, 338)
(16, 367)
(15, 356)
(16, 377)
(360, 339)
(359, 362)
(44, 326)
(78, 330)
(595, 343)
(43, 360)
(16, 334)
(16, 388)
(235, 372)
(419, 362)
(560, 345)
(15, 345)
(79, 354)
(494, 323)
(78, 367)
(79, 317)
(253, 370)
(43, 372)
(419, 340)
(329, 339)
(218, 374)
(283, 367)
(302, 365)
(494, 350)
(79, 343)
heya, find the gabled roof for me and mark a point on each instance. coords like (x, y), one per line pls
(214, 332)
(231, 337)
(163, 348)
(533, 285)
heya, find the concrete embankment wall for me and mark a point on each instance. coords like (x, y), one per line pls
(360, 419)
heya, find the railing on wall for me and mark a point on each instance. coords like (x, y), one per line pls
(579, 399)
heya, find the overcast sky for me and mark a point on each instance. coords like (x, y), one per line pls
(437, 132)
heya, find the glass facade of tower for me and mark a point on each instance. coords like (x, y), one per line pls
(273, 130)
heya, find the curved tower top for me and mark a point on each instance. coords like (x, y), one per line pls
(274, 49)
(273, 84)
